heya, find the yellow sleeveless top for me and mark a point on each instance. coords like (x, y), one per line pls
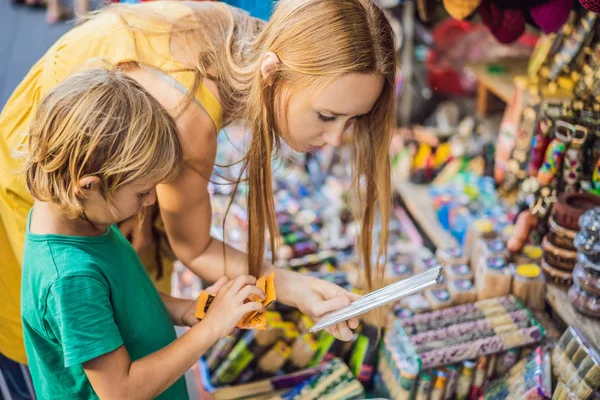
(104, 37)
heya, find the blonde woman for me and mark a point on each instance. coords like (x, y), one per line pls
(317, 69)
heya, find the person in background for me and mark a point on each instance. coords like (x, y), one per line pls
(56, 11)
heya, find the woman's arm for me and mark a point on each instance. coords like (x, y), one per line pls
(185, 203)
(187, 214)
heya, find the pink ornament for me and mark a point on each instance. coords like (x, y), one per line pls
(591, 5)
(551, 16)
(505, 25)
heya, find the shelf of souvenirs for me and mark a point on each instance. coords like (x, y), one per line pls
(503, 77)
(419, 205)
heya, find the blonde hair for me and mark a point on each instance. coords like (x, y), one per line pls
(317, 41)
(98, 122)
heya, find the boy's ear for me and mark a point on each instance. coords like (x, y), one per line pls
(269, 62)
(87, 184)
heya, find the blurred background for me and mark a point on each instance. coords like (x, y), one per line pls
(27, 31)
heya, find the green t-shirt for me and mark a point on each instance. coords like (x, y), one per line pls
(82, 297)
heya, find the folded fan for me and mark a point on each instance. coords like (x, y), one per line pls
(381, 297)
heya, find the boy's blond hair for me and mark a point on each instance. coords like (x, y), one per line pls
(99, 122)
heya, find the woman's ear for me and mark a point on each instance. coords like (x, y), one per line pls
(269, 63)
(87, 184)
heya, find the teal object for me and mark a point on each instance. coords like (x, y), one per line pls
(257, 8)
(83, 297)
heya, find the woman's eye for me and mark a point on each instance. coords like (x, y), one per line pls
(325, 118)
(144, 194)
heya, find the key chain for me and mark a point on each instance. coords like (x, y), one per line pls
(555, 152)
(573, 163)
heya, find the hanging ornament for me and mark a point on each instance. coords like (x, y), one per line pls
(573, 163)
(555, 153)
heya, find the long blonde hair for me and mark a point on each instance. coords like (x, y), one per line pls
(317, 41)
(98, 122)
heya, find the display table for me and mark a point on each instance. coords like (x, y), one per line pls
(558, 300)
(502, 84)
(419, 205)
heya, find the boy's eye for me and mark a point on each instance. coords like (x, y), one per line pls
(144, 194)
(325, 118)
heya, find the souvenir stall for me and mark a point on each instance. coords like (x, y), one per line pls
(507, 203)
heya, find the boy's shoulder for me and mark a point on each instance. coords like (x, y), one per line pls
(59, 257)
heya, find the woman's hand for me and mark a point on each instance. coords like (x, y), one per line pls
(315, 298)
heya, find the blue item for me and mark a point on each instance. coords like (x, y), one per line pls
(257, 8)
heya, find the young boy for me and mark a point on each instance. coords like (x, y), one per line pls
(94, 325)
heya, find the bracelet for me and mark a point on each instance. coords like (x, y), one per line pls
(557, 276)
(561, 237)
(571, 206)
(545, 199)
(583, 302)
(587, 264)
(587, 280)
(558, 257)
(588, 238)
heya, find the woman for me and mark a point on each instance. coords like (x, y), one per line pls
(317, 69)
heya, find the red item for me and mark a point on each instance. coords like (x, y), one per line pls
(443, 77)
(538, 152)
(505, 25)
(551, 16)
(591, 5)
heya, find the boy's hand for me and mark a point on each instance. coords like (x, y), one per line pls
(188, 318)
(231, 305)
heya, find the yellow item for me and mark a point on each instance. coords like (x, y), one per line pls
(529, 270)
(442, 154)
(421, 157)
(290, 331)
(253, 320)
(533, 252)
(104, 37)
(461, 9)
(484, 225)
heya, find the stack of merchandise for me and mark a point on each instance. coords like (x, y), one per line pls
(332, 381)
(481, 337)
(560, 255)
(576, 365)
(465, 198)
(585, 293)
(483, 269)
(285, 347)
(530, 378)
